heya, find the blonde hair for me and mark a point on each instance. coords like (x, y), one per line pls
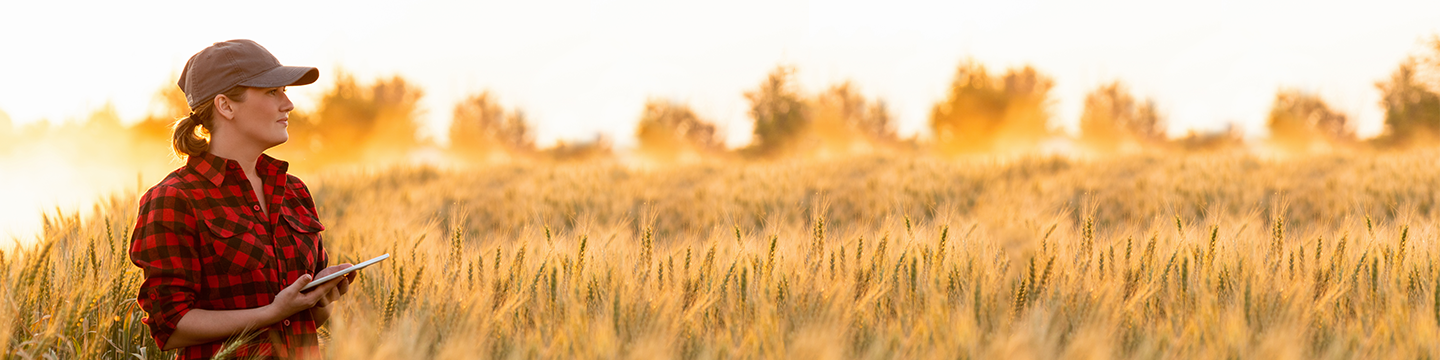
(192, 133)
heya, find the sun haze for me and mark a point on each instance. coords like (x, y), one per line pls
(578, 69)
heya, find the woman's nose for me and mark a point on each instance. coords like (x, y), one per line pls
(285, 104)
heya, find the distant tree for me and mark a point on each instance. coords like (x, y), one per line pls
(169, 102)
(1300, 120)
(779, 111)
(669, 129)
(841, 115)
(104, 137)
(1228, 139)
(367, 122)
(1412, 107)
(600, 147)
(167, 106)
(1113, 119)
(986, 113)
(480, 127)
(1428, 65)
(103, 123)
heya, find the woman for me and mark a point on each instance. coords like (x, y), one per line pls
(227, 241)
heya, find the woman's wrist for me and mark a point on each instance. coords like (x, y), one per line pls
(274, 314)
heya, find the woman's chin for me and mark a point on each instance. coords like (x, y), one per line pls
(278, 140)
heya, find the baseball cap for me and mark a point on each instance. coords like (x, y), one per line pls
(241, 62)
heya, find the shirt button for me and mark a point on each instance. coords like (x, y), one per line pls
(256, 207)
(287, 322)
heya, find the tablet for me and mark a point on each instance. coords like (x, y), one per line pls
(338, 274)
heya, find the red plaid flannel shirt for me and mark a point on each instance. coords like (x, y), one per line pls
(204, 244)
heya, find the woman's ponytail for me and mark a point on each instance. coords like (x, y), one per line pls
(191, 136)
(192, 133)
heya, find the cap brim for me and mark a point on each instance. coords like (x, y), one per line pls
(284, 76)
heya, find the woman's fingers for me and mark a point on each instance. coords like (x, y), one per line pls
(321, 295)
(291, 300)
(316, 293)
(332, 294)
(344, 285)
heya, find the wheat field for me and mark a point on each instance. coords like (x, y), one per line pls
(1220, 255)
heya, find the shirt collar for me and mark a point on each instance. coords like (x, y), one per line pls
(214, 168)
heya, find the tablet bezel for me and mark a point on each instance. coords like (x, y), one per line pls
(327, 278)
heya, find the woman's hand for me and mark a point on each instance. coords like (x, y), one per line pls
(291, 300)
(342, 285)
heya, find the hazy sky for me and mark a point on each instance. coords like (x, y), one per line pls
(579, 68)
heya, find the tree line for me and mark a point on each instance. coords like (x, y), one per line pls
(984, 112)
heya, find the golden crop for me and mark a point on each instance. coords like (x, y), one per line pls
(1189, 256)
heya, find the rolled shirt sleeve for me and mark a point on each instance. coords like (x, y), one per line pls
(165, 247)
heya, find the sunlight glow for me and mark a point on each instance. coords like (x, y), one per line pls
(578, 69)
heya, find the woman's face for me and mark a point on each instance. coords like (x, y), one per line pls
(263, 117)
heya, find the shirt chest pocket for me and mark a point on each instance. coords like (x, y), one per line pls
(304, 228)
(234, 244)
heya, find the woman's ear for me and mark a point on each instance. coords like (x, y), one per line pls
(224, 106)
